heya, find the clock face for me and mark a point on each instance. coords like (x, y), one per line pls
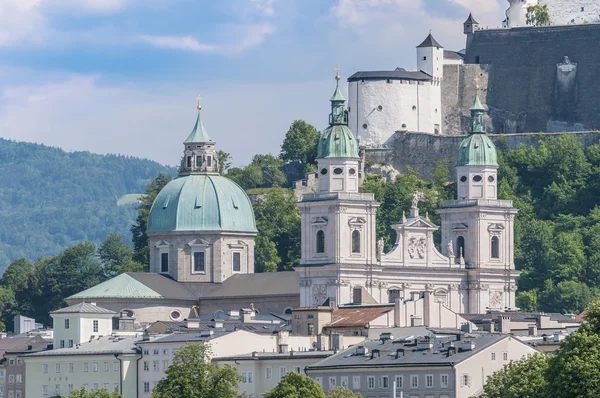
(495, 299)
(319, 294)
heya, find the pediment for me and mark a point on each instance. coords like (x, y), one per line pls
(419, 222)
(496, 227)
(162, 243)
(198, 242)
(319, 220)
(357, 221)
(238, 245)
(459, 227)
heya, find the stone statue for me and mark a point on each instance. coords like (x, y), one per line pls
(416, 198)
(565, 91)
(379, 248)
(451, 250)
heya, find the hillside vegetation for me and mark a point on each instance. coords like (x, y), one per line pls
(51, 199)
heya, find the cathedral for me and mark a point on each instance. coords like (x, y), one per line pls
(201, 232)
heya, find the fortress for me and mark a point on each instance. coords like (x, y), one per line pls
(532, 80)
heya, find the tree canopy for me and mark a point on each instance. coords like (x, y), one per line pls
(300, 143)
(295, 385)
(101, 393)
(192, 375)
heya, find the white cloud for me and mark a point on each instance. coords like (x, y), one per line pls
(21, 21)
(239, 38)
(101, 6)
(186, 43)
(265, 7)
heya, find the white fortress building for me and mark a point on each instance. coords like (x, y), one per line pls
(562, 12)
(342, 261)
(382, 102)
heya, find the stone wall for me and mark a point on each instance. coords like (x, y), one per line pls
(523, 94)
(423, 152)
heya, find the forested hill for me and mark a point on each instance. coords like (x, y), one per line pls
(51, 199)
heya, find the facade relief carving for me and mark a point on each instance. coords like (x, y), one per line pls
(496, 299)
(319, 294)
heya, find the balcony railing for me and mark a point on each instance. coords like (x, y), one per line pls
(477, 202)
(314, 197)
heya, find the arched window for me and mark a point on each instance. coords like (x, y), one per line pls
(355, 241)
(460, 246)
(495, 247)
(320, 242)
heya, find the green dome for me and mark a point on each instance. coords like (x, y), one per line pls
(477, 150)
(201, 202)
(337, 141)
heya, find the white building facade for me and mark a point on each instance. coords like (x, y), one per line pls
(342, 261)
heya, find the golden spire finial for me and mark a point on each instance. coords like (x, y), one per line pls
(337, 73)
(477, 82)
(199, 107)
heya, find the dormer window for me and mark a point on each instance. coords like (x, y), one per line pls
(209, 161)
(199, 161)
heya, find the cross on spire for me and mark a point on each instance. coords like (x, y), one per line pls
(337, 73)
(199, 107)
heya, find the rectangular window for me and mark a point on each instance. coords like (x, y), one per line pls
(237, 261)
(19, 362)
(384, 382)
(146, 386)
(106, 366)
(444, 381)
(268, 372)
(429, 381)
(71, 367)
(208, 161)
(250, 378)
(62, 344)
(45, 368)
(282, 371)
(344, 381)
(198, 161)
(399, 381)
(146, 352)
(11, 379)
(414, 381)
(319, 380)
(67, 323)
(85, 367)
(164, 262)
(18, 394)
(146, 366)
(57, 367)
(155, 366)
(70, 343)
(106, 387)
(189, 161)
(95, 387)
(116, 387)
(493, 356)
(244, 377)
(19, 378)
(332, 382)
(356, 382)
(94, 366)
(165, 352)
(44, 390)
(155, 352)
(70, 388)
(465, 380)
(116, 366)
(199, 262)
(505, 356)
(370, 382)
(95, 326)
(11, 362)
(57, 389)
(165, 365)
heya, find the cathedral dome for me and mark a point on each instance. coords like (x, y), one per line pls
(477, 150)
(337, 141)
(202, 202)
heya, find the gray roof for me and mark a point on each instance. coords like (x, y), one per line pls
(21, 344)
(240, 285)
(471, 20)
(98, 346)
(518, 317)
(398, 74)
(430, 42)
(83, 308)
(185, 337)
(228, 326)
(448, 54)
(274, 355)
(438, 356)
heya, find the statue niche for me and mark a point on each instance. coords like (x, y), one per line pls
(566, 91)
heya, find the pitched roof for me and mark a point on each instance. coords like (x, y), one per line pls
(20, 344)
(471, 20)
(102, 345)
(398, 74)
(448, 54)
(239, 285)
(182, 327)
(519, 317)
(357, 316)
(199, 133)
(437, 356)
(137, 285)
(430, 42)
(83, 308)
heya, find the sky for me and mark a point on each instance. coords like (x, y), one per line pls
(122, 76)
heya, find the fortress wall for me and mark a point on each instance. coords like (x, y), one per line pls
(422, 152)
(522, 94)
(564, 12)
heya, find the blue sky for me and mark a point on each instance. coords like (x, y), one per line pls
(121, 76)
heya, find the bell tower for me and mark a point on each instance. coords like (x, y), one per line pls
(199, 154)
(478, 226)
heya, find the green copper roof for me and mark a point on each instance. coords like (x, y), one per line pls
(477, 105)
(199, 133)
(477, 150)
(121, 286)
(337, 141)
(337, 95)
(201, 202)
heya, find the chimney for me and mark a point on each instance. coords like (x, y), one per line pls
(218, 324)
(385, 337)
(451, 350)
(361, 350)
(399, 352)
(193, 323)
(283, 348)
(375, 353)
(504, 324)
(533, 330)
(126, 323)
(29, 347)
(488, 325)
(146, 336)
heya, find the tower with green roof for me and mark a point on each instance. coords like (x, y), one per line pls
(477, 226)
(201, 226)
(338, 222)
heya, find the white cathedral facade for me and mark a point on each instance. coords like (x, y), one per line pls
(343, 263)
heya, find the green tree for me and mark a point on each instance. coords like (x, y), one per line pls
(224, 161)
(592, 316)
(538, 15)
(7, 306)
(20, 278)
(575, 369)
(527, 300)
(270, 168)
(192, 375)
(101, 393)
(116, 256)
(138, 229)
(295, 385)
(525, 378)
(342, 392)
(300, 143)
(278, 224)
